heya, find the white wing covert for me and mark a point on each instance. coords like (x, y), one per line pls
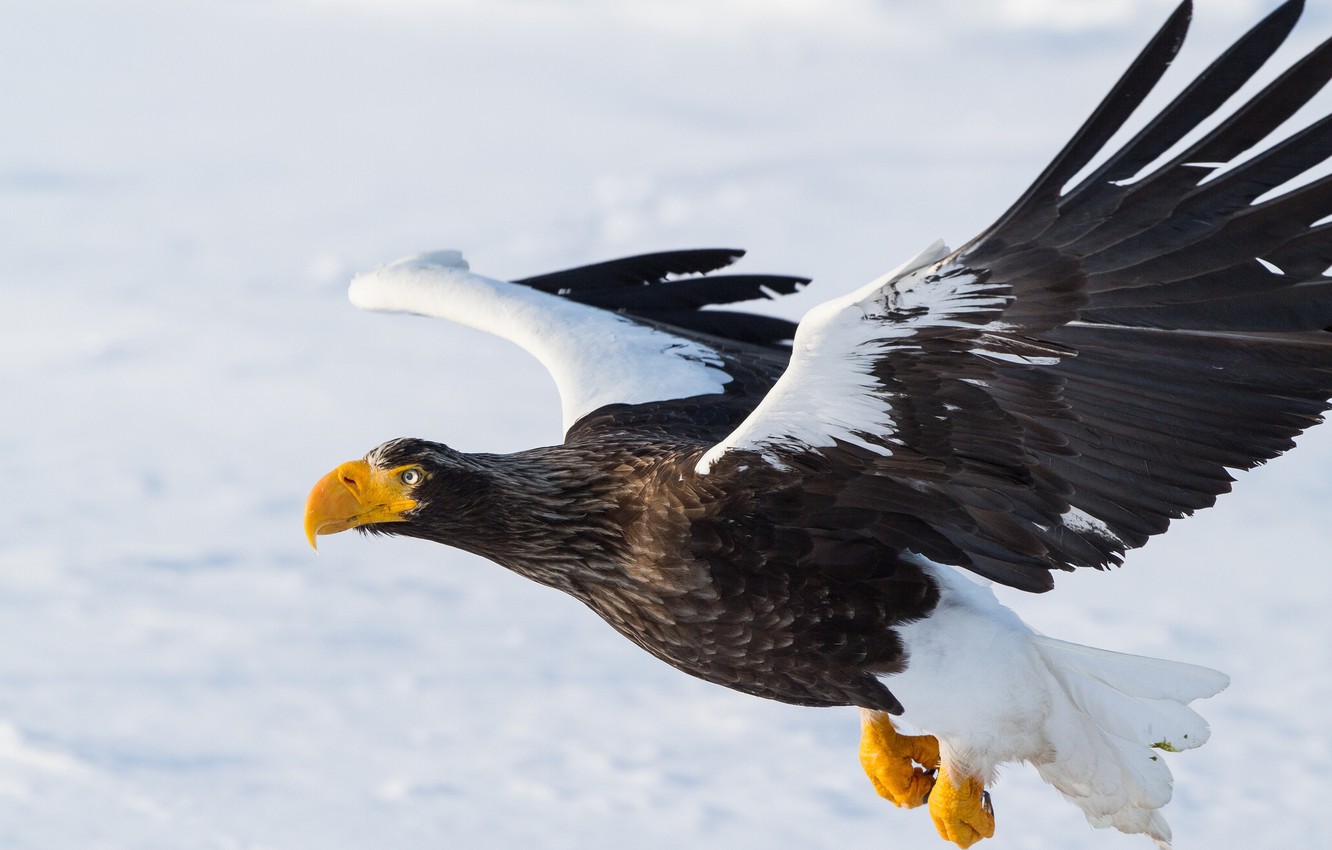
(830, 392)
(646, 350)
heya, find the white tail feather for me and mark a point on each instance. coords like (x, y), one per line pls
(1122, 711)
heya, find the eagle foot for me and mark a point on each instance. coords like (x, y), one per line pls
(901, 767)
(962, 813)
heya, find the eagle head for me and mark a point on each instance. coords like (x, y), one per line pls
(400, 487)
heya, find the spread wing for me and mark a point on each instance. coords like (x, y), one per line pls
(1088, 368)
(627, 333)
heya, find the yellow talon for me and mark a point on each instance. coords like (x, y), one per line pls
(900, 766)
(961, 813)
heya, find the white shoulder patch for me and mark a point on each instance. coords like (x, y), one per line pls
(596, 357)
(829, 393)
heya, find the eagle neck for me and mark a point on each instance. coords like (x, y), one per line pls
(547, 514)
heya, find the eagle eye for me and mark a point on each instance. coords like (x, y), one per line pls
(411, 477)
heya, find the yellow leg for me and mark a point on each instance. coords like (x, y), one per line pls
(962, 813)
(900, 766)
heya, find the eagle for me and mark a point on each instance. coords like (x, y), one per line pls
(816, 512)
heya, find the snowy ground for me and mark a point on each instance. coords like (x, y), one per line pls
(185, 189)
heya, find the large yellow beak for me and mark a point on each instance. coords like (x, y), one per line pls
(355, 494)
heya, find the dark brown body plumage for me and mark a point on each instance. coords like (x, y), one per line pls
(764, 587)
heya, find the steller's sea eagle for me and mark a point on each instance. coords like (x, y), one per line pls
(812, 513)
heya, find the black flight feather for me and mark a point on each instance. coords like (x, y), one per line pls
(646, 287)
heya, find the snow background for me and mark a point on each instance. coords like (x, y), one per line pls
(185, 189)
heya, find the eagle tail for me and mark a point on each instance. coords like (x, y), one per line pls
(1121, 714)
